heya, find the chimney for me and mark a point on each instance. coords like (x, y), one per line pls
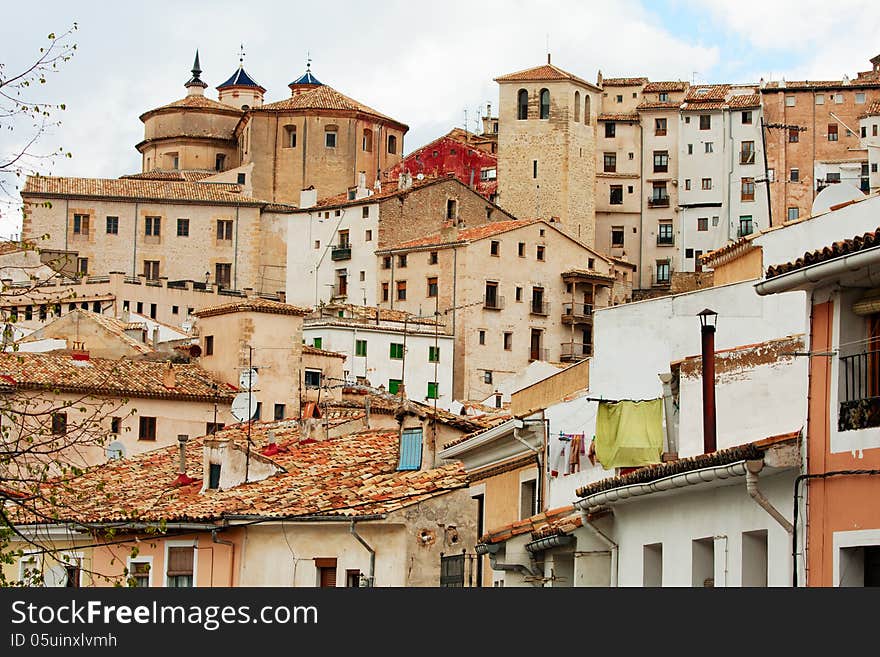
(169, 377)
(362, 180)
(548, 57)
(308, 198)
(79, 351)
(156, 337)
(182, 478)
(271, 448)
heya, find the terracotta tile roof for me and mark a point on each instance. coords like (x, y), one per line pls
(466, 234)
(873, 109)
(703, 107)
(669, 85)
(836, 250)
(195, 102)
(707, 92)
(623, 82)
(185, 175)
(543, 72)
(314, 351)
(138, 189)
(253, 305)
(651, 105)
(11, 246)
(368, 314)
(118, 378)
(634, 118)
(388, 189)
(377, 405)
(616, 174)
(493, 421)
(348, 476)
(322, 98)
(749, 451)
(744, 101)
(549, 523)
(114, 326)
(806, 85)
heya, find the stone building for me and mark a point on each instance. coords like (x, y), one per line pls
(547, 147)
(812, 132)
(511, 292)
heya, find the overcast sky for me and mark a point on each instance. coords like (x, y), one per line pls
(422, 63)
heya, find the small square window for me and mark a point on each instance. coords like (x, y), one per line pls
(487, 376)
(789, 101)
(330, 139)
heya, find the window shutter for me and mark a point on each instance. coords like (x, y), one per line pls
(180, 561)
(410, 450)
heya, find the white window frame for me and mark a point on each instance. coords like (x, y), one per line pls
(851, 539)
(526, 476)
(25, 558)
(149, 559)
(194, 544)
(73, 555)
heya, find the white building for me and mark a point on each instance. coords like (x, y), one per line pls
(869, 138)
(387, 348)
(721, 191)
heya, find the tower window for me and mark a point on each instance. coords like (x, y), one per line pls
(392, 144)
(522, 104)
(545, 104)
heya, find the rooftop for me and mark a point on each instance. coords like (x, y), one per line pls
(252, 305)
(314, 351)
(467, 234)
(365, 314)
(835, 250)
(544, 72)
(549, 523)
(240, 79)
(668, 85)
(182, 175)
(197, 102)
(349, 476)
(323, 98)
(116, 378)
(623, 82)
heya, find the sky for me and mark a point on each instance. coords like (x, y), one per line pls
(425, 64)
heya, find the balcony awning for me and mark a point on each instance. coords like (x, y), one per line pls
(573, 275)
(869, 304)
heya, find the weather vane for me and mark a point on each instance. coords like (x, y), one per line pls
(241, 55)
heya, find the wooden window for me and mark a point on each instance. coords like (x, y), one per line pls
(746, 226)
(705, 121)
(617, 237)
(508, 341)
(610, 162)
(392, 144)
(146, 428)
(432, 286)
(224, 229)
(748, 189)
(385, 294)
(540, 252)
(360, 348)
(410, 449)
(401, 260)
(152, 226)
(395, 350)
(179, 569)
(706, 183)
(330, 137)
(183, 227)
(661, 161)
(610, 129)
(151, 270)
(789, 101)
(59, 424)
(746, 117)
(112, 225)
(793, 135)
(747, 152)
(223, 274)
(702, 224)
(312, 378)
(401, 290)
(522, 104)
(209, 345)
(80, 224)
(663, 97)
(832, 132)
(367, 141)
(615, 196)
(494, 247)
(659, 127)
(394, 386)
(664, 234)
(139, 573)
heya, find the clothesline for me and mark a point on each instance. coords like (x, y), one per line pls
(617, 401)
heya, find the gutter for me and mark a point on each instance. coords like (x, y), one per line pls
(366, 545)
(492, 550)
(819, 272)
(253, 518)
(549, 542)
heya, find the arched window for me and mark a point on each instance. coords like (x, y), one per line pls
(586, 109)
(368, 140)
(392, 144)
(577, 106)
(522, 104)
(545, 104)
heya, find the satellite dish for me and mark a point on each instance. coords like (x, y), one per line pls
(244, 406)
(115, 450)
(55, 577)
(195, 350)
(247, 379)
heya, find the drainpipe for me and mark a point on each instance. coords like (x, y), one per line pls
(752, 470)
(223, 541)
(522, 569)
(668, 408)
(366, 545)
(611, 545)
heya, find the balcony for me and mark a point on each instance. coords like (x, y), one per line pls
(860, 398)
(574, 351)
(493, 302)
(665, 240)
(341, 252)
(540, 307)
(539, 354)
(577, 313)
(659, 202)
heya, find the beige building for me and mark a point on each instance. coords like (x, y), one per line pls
(99, 408)
(513, 292)
(267, 336)
(547, 147)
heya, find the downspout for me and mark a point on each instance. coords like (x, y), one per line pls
(492, 551)
(611, 545)
(231, 545)
(752, 470)
(668, 408)
(372, 552)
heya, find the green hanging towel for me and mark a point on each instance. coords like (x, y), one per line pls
(629, 433)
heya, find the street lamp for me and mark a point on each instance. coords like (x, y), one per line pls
(708, 320)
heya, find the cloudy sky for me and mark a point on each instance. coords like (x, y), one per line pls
(422, 63)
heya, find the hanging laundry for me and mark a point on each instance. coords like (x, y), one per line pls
(574, 457)
(629, 433)
(558, 457)
(591, 453)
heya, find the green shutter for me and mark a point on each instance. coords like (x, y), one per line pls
(433, 354)
(360, 348)
(317, 342)
(393, 386)
(432, 390)
(410, 450)
(396, 350)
